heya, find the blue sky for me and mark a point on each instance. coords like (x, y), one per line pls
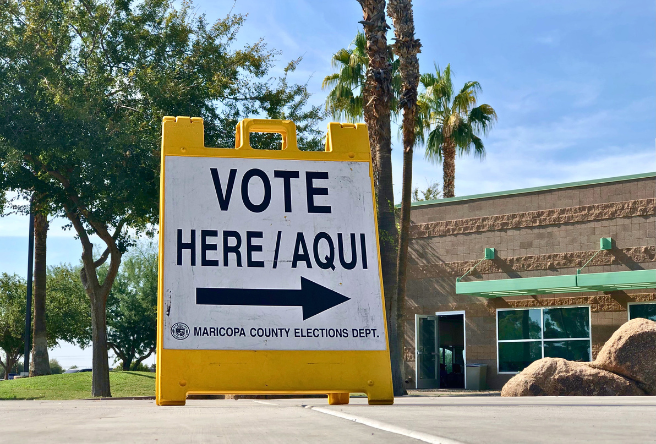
(573, 83)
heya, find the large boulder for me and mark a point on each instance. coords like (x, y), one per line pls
(631, 352)
(559, 377)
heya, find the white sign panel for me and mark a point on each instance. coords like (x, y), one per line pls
(263, 254)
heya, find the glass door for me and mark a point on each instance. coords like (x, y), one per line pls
(451, 350)
(427, 367)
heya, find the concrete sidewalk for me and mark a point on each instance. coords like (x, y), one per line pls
(412, 419)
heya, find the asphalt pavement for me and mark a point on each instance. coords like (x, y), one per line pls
(447, 420)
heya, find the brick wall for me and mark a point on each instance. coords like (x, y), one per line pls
(539, 233)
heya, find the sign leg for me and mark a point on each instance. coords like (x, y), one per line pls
(380, 397)
(169, 402)
(338, 398)
(171, 393)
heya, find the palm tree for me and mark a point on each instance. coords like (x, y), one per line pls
(381, 84)
(378, 104)
(453, 123)
(406, 48)
(344, 101)
(40, 363)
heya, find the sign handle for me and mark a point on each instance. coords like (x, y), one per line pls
(285, 128)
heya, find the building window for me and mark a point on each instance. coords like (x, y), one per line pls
(642, 310)
(526, 335)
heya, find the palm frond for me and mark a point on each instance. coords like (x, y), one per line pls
(473, 86)
(422, 121)
(330, 80)
(461, 133)
(434, 143)
(351, 65)
(340, 58)
(352, 76)
(482, 118)
(341, 91)
(445, 84)
(360, 43)
(358, 61)
(466, 140)
(479, 149)
(465, 100)
(343, 104)
(427, 80)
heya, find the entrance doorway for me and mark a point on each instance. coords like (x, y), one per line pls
(440, 349)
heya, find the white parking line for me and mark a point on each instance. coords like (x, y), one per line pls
(425, 437)
(267, 403)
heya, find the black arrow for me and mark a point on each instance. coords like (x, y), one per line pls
(314, 298)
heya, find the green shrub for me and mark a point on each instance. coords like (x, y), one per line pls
(55, 367)
(141, 367)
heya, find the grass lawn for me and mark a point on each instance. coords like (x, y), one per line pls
(77, 386)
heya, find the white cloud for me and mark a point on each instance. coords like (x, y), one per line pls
(550, 39)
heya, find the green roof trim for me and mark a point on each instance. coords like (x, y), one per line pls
(619, 280)
(614, 281)
(518, 287)
(535, 189)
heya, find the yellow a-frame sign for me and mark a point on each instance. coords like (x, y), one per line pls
(269, 267)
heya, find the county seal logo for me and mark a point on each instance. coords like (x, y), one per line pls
(180, 331)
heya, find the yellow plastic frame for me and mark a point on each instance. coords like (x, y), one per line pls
(336, 373)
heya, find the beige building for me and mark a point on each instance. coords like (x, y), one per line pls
(506, 278)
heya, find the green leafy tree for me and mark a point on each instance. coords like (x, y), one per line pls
(452, 122)
(132, 308)
(84, 87)
(55, 367)
(17, 369)
(431, 192)
(67, 309)
(280, 100)
(12, 320)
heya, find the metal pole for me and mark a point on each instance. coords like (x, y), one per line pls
(28, 306)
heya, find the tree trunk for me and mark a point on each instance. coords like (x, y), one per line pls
(126, 360)
(97, 293)
(449, 167)
(9, 364)
(40, 363)
(100, 363)
(406, 48)
(377, 93)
